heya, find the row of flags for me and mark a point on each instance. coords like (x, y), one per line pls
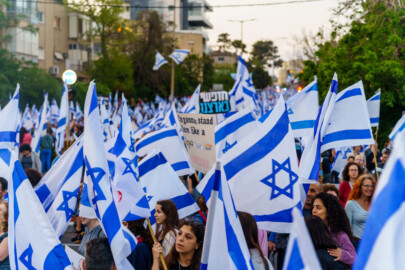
(178, 56)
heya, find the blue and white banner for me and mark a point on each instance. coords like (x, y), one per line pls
(341, 158)
(193, 105)
(97, 175)
(31, 247)
(27, 121)
(62, 121)
(398, 128)
(159, 61)
(373, 106)
(41, 129)
(9, 120)
(160, 182)
(264, 168)
(59, 188)
(224, 242)
(303, 109)
(300, 253)
(54, 112)
(178, 56)
(383, 238)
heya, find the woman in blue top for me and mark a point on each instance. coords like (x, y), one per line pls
(4, 260)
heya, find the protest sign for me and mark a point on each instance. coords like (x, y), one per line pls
(199, 134)
(214, 102)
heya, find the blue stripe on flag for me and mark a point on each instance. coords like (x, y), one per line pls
(232, 127)
(5, 155)
(281, 216)
(111, 222)
(152, 139)
(151, 164)
(180, 166)
(43, 192)
(258, 151)
(130, 239)
(347, 135)
(313, 88)
(248, 92)
(8, 136)
(119, 146)
(93, 102)
(374, 120)
(62, 122)
(350, 93)
(56, 258)
(303, 124)
(377, 97)
(183, 201)
(295, 261)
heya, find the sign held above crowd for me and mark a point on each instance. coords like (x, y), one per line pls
(214, 102)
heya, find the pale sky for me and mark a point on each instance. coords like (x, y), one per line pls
(277, 22)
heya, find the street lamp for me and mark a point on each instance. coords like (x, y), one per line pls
(241, 31)
(279, 38)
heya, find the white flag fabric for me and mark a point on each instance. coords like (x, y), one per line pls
(178, 56)
(62, 121)
(31, 247)
(9, 119)
(224, 242)
(27, 121)
(122, 242)
(59, 188)
(384, 233)
(398, 128)
(41, 129)
(172, 147)
(341, 158)
(303, 109)
(54, 112)
(373, 106)
(264, 168)
(193, 105)
(151, 169)
(300, 252)
(79, 114)
(233, 129)
(159, 61)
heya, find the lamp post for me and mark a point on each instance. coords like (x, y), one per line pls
(241, 31)
(173, 45)
(279, 38)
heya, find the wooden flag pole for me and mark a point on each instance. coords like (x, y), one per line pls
(375, 153)
(199, 211)
(154, 240)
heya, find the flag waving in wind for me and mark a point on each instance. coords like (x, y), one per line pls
(373, 106)
(179, 55)
(62, 121)
(159, 61)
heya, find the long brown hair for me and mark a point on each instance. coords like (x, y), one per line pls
(355, 193)
(137, 228)
(4, 225)
(198, 230)
(251, 233)
(172, 219)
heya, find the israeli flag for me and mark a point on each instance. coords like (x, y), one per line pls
(35, 116)
(105, 122)
(384, 233)
(233, 129)
(398, 128)
(151, 169)
(224, 242)
(27, 121)
(341, 158)
(193, 105)
(303, 109)
(79, 114)
(9, 120)
(178, 56)
(41, 129)
(263, 167)
(72, 108)
(373, 106)
(31, 247)
(300, 253)
(59, 188)
(122, 242)
(138, 115)
(62, 121)
(54, 112)
(159, 61)
(116, 101)
(172, 147)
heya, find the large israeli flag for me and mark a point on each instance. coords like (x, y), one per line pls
(54, 112)
(303, 109)
(41, 129)
(193, 105)
(383, 240)
(233, 129)
(172, 147)
(341, 158)
(300, 253)
(159, 61)
(224, 242)
(373, 106)
(122, 242)
(398, 128)
(263, 167)
(62, 121)
(9, 119)
(31, 247)
(151, 169)
(178, 56)
(27, 121)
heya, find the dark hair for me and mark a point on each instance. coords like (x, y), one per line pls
(198, 229)
(98, 254)
(336, 216)
(345, 172)
(4, 183)
(355, 193)
(201, 203)
(251, 233)
(33, 175)
(137, 228)
(25, 147)
(330, 187)
(4, 226)
(48, 130)
(319, 233)
(23, 130)
(386, 151)
(172, 219)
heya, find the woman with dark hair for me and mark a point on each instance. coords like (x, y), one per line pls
(350, 174)
(167, 222)
(328, 208)
(25, 136)
(141, 257)
(250, 231)
(358, 205)
(186, 254)
(4, 260)
(322, 240)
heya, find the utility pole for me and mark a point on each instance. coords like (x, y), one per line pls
(173, 46)
(241, 31)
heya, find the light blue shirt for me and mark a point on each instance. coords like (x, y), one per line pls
(357, 217)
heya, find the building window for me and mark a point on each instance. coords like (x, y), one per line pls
(40, 17)
(41, 54)
(80, 26)
(221, 59)
(73, 46)
(56, 22)
(96, 48)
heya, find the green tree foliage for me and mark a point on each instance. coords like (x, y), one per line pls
(224, 43)
(237, 45)
(372, 50)
(263, 52)
(261, 78)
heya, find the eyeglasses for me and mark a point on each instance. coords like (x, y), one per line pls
(368, 186)
(353, 170)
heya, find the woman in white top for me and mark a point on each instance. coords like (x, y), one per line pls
(167, 222)
(249, 226)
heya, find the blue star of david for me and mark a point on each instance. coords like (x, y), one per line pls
(271, 179)
(132, 146)
(346, 152)
(26, 258)
(249, 82)
(64, 206)
(98, 192)
(228, 146)
(289, 111)
(128, 169)
(147, 196)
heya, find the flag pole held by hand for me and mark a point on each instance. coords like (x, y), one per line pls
(154, 240)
